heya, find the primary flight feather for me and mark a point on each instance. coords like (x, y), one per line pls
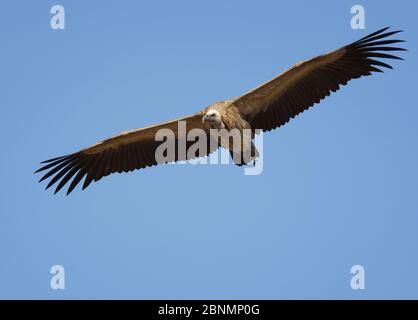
(266, 107)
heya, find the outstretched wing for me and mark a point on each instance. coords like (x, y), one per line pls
(122, 153)
(274, 103)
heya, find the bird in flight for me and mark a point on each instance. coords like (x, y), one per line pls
(268, 106)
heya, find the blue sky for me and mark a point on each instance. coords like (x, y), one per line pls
(339, 185)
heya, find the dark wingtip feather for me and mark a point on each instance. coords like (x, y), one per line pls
(53, 159)
(49, 184)
(373, 34)
(379, 63)
(87, 182)
(75, 181)
(374, 69)
(383, 55)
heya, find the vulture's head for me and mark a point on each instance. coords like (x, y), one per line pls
(213, 120)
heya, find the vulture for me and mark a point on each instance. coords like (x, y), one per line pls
(266, 107)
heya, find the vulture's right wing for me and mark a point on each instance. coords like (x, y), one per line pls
(125, 152)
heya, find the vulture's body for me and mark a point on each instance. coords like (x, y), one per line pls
(266, 107)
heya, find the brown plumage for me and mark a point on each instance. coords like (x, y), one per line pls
(266, 107)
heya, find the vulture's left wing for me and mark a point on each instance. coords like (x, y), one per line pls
(274, 103)
(125, 152)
